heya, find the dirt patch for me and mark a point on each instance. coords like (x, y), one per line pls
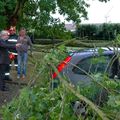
(14, 87)
(17, 84)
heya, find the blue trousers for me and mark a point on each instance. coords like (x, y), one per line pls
(22, 63)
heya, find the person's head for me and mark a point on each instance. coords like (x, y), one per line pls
(4, 35)
(12, 30)
(22, 32)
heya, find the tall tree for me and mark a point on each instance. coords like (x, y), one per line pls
(38, 12)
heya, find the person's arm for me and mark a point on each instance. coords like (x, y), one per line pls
(7, 45)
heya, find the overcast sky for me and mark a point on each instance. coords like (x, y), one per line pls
(103, 12)
(100, 12)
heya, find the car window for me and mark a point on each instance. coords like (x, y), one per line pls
(92, 65)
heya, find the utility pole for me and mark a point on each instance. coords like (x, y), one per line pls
(107, 15)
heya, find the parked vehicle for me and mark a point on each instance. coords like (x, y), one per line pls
(79, 66)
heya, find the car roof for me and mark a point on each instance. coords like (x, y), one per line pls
(107, 50)
(90, 52)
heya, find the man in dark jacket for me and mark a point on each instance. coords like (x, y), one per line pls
(12, 40)
(4, 57)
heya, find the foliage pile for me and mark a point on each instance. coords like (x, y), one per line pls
(39, 101)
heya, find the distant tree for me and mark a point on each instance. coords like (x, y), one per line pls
(103, 31)
(86, 30)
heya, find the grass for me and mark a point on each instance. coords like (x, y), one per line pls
(35, 64)
(17, 84)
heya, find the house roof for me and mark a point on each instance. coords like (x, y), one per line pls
(71, 27)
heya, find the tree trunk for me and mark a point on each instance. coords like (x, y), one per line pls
(14, 18)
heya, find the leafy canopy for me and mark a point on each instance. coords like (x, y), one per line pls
(37, 13)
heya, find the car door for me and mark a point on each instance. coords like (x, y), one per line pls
(80, 72)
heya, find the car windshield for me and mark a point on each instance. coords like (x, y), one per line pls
(93, 65)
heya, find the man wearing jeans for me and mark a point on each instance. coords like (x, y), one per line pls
(25, 42)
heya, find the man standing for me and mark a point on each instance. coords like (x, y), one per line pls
(22, 50)
(4, 57)
(12, 40)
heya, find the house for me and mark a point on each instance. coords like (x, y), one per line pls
(70, 27)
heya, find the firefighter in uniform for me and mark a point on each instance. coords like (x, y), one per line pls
(12, 52)
(4, 57)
